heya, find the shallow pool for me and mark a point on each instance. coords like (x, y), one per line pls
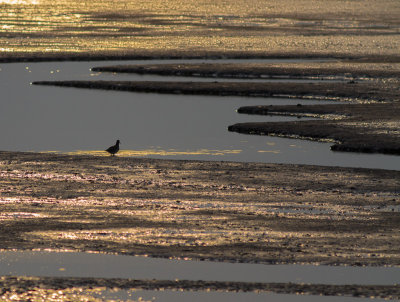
(72, 264)
(42, 118)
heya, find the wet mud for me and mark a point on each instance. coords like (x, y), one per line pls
(359, 91)
(35, 287)
(330, 68)
(221, 211)
(267, 213)
(179, 54)
(241, 212)
(369, 128)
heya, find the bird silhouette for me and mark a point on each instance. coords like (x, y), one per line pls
(113, 149)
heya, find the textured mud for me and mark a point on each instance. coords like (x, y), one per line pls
(241, 212)
(40, 287)
(246, 212)
(149, 54)
(354, 127)
(346, 69)
(363, 91)
(265, 213)
(202, 210)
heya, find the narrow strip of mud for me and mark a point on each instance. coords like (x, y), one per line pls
(26, 286)
(176, 54)
(366, 91)
(343, 70)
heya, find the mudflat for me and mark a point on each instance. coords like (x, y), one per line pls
(248, 212)
(78, 289)
(221, 211)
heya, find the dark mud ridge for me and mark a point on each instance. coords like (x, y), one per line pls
(220, 211)
(240, 212)
(48, 285)
(309, 70)
(363, 91)
(363, 128)
(148, 54)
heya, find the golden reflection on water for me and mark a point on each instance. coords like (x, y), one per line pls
(269, 151)
(149, 152)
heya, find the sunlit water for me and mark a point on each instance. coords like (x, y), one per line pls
(42, 118)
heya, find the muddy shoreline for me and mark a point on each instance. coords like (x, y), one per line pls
(220, 211)
(369, 128)
(47, 286)
(363, 91)
(148, 54)
(331, 67)
(266, 213)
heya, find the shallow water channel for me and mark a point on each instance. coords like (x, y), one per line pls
(42, 118)
(72, 264)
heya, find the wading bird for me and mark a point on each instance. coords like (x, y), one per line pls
(113, 149)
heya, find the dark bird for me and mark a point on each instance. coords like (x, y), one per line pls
(113, 149)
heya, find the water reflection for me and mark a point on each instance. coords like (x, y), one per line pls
(160, 152)
(39, 118)
(71, 264)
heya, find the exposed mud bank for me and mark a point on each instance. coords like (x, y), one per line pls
(313, 70)
(149, 54)
(363, 91)
(370, 128)
(247, 212)
(26, 287)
